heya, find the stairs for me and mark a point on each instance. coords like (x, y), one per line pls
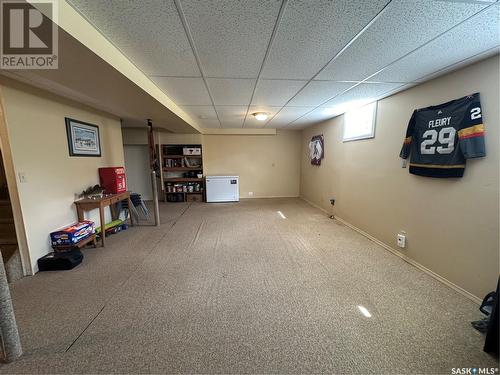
(8, 242)
(5, 209)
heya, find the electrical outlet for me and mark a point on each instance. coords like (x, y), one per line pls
(250, 193)
(401, 239)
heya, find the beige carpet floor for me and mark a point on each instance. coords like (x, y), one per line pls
(236, 288)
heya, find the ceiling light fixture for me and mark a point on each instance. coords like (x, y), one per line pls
(260, 116)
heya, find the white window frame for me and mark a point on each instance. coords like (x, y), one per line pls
(347, 117)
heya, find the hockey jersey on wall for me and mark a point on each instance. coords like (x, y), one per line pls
(440, 138)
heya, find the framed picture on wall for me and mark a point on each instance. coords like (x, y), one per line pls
(317, 149)
(83, 138)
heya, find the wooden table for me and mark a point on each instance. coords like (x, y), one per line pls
(88, 204)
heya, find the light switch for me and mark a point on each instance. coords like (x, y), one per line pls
(22, 177)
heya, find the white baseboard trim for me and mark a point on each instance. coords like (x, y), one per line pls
(405, 258)
(315, 205)
(271, 196)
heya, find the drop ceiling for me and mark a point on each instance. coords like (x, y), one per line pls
(300, 61)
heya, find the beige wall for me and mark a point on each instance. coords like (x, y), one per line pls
(37, 133)
(179, 139)
(139, 136)
(452, 224)
(135, 136)
(268, 165)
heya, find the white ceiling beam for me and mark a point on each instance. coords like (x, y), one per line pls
(80, 29)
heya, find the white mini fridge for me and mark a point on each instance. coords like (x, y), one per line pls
(223, 188)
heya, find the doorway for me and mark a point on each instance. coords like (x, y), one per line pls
(8, 239)
(137, 169)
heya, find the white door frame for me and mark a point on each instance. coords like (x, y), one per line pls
(15, 202)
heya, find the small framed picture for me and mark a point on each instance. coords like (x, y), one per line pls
(83, 138)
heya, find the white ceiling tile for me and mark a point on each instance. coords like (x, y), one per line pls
(461, 64)
(184, 91)
(231, 37)
(473, 37)
(471, 1)
(202, 112)
(231, 91)
(287, 115)
(148, 32)
(403, 26)
(231, 116)
(204, 115)
(361, 94)
(211, 124)
(276, 92)
(311, 33)
(317, 92)
(317, 115)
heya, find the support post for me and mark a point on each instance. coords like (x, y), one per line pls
(10, 343)
(154, 165)
(155, 198)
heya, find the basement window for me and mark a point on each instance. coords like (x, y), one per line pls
(359, 123)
